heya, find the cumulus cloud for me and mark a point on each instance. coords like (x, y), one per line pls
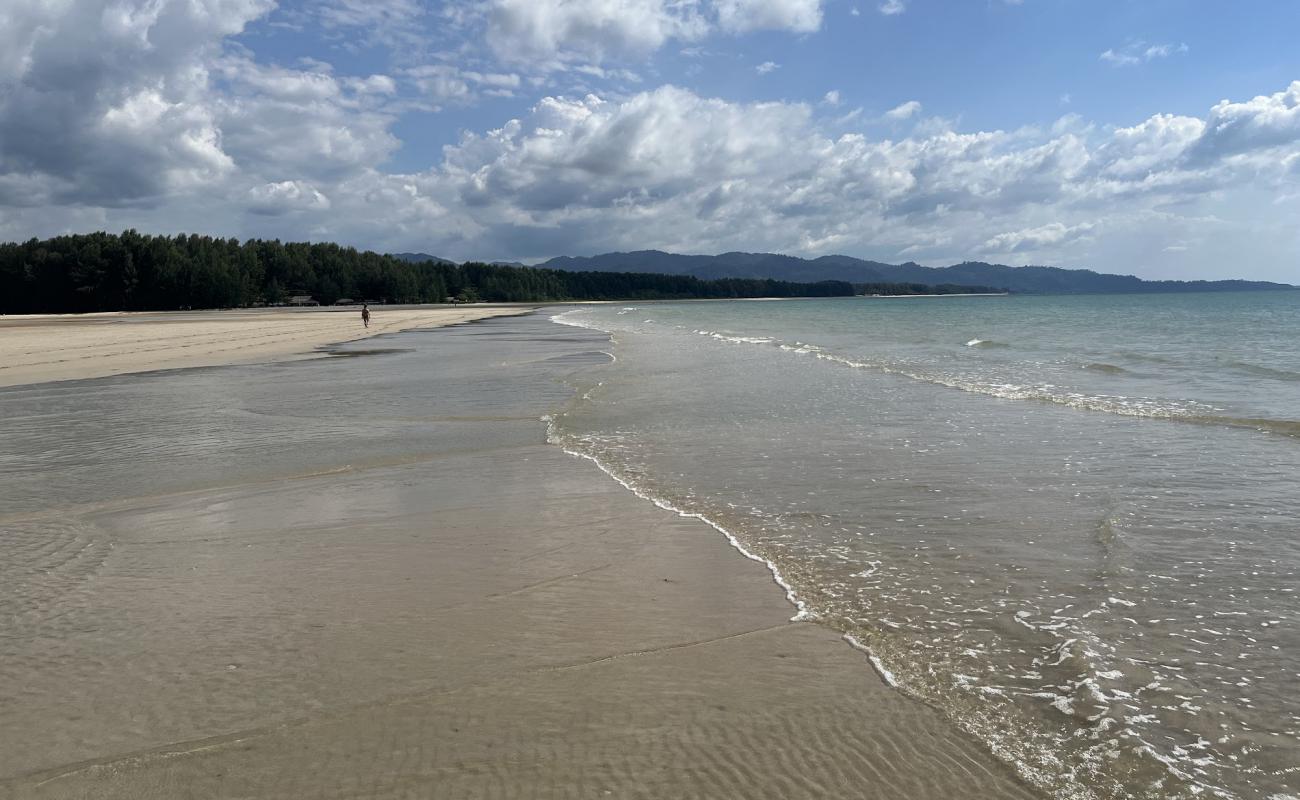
(581, 155)
(1157, 145)
(1262, 123)
(522, 30)
(669, 168)
(891, 7)
(109, 103)
(301, 123)
(766, 67)
(138, 102)
(283, 197)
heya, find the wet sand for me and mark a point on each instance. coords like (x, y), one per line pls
(77, 346)
(479, 615)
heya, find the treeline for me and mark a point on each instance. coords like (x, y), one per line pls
(137, 272)
(923, 288)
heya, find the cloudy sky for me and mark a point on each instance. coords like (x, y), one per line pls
(1154, 137)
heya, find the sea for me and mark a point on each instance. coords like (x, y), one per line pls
(1069, 523)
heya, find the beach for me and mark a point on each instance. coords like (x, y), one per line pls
(370, 575)
(56, 347)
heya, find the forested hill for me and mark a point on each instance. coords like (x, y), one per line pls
(860, 287)
(135, 272)
(855, 270)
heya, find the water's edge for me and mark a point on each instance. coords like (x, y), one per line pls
(1022, 772)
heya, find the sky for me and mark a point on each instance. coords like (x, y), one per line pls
(1152, 137)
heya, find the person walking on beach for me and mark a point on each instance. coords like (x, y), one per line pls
(365, 315)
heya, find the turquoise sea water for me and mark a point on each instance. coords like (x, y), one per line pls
(1071, 523)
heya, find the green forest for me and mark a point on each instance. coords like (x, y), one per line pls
(138, 272)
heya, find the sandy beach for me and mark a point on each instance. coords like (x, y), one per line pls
(60, 347)
(372, 577)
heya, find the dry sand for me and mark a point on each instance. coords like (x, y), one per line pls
(485, 616)
(64, 347)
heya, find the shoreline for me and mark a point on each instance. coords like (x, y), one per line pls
(488, 615)
(953, 294)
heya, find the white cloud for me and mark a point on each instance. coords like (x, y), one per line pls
(273, 199)
(305, 124)
(1031, 239)
(903, 111)
(668, 168)
(891, 7)
(182, 137)
(110, 103)
(523, 30)
(742, 16)
(1140, 52)
(550, 33)
(446, 83)
(832, 98)
(1156, 145)
(141, 102)
(766, 67)
(1261, 123)
(388, 23)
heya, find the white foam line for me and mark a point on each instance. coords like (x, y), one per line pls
(801, 609)
(560, 320)
(1109, 404)
(881, 670)
(802, 613)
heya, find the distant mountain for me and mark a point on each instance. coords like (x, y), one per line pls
(1036, 280)
(420, 258)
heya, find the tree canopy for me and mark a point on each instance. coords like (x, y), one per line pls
(138, 272)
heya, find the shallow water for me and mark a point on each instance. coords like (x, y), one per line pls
(1069, 522)
(182, 552)
(372, 576)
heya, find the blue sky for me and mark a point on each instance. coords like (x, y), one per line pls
(1158, 138)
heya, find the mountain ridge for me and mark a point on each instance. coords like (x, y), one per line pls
(739, 264)
(1027, 279)
(1031, 279)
